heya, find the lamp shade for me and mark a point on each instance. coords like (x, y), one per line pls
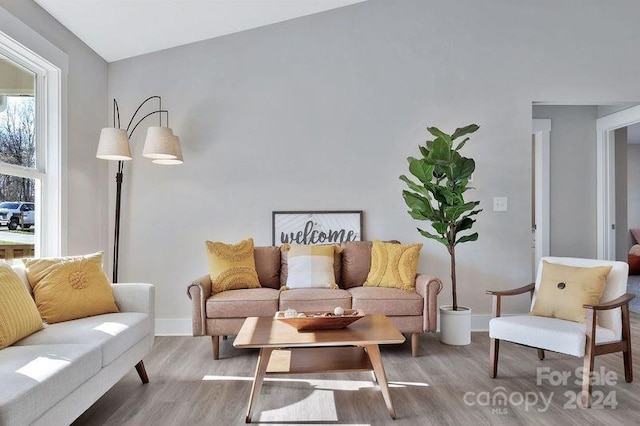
(113, 145)
(172, 161)
(159, 144)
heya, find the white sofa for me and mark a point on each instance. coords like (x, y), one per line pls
(53, 376)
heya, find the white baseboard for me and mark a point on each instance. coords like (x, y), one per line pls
(182, 326)
(173, 327)
(480, 322)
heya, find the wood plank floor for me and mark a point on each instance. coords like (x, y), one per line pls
(446, 385)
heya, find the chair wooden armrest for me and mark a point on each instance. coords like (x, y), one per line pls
(515, 291)
(497, 294)
(612, 304)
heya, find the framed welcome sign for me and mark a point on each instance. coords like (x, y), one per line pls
(316, 227)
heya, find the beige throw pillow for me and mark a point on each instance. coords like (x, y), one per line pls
(565, 289)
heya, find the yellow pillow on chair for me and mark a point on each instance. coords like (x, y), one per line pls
(564, 289)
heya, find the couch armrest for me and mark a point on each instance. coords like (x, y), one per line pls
(137, 297)
(199, 291)
(428, 287)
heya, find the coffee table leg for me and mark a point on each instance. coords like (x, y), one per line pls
(376, 361)
(261, 369)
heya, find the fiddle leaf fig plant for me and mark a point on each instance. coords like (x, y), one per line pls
(437, 195)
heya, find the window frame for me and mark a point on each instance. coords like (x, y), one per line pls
(48, 127)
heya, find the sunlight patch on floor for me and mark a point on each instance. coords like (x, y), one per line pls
(320, 383)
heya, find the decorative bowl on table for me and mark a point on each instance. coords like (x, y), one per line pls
(320, 320)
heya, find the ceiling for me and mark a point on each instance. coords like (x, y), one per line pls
(119, 29)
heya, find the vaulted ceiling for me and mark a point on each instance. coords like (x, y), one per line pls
(119, 29)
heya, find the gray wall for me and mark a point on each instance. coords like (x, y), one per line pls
(572, 179)
(633, 195)
(320, 113)
(86, 177)
(622, 229)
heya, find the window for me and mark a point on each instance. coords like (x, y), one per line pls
(30, 172)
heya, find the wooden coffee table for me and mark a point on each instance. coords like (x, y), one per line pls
(284, 350)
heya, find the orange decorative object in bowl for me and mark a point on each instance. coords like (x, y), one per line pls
(321, 320)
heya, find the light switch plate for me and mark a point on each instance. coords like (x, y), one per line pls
(499, 204)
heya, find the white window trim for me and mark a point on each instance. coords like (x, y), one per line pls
(49, 130)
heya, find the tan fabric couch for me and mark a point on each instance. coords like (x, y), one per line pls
(222, 314)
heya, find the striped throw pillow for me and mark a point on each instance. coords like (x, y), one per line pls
(19, 316)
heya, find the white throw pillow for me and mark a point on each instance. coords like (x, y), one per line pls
(311, 266)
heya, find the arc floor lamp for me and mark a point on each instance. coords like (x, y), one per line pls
(161, 146)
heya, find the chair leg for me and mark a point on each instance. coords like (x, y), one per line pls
(142, 372)
(541, 354)
(215, 340)
(589, 359)
(414, 344)
(586, 380)
(626, 353)
(494, 347)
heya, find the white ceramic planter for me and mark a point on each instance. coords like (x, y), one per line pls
(455, 326)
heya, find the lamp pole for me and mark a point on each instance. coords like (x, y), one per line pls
(120, 174)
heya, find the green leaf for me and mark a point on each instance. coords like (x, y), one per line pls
(440, 227)
(454, 212)
(464, 224)
(461, 131)
(415, 187)
(463, 168)
(466, 238)
(419, 215)
(461, 144)
(434, 237)
(418, 203)
(439, 134)
(420, 169)
(474, 212)
(424, 151)
(440, 151)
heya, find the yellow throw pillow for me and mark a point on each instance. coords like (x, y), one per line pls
(393, 265)
(72, 287)
(310, 266)
(19, 316)
(232, 266)
(564, 289)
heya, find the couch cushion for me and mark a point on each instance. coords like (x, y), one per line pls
(314, 299)
(19, 316)
(388, 301)
(255, 302)
(356, 262)
(553, 334)
(114, 333)
(268, 266)
(232, 266)
(67, 288)
(36, 377)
